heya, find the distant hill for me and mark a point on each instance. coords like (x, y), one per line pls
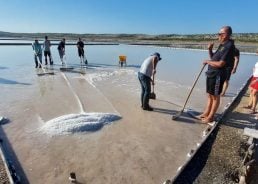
(246, 42)
(240, 37)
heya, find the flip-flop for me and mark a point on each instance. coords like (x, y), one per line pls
(247, 107)
(252, 112)
(211, 123)
(206, 121)
(199, 117)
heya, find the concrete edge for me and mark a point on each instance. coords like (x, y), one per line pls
(208, 131)
(6, 165)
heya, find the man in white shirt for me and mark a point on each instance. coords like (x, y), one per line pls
(146, 76)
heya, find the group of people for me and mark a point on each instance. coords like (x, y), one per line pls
(222, 63)
(37, 48)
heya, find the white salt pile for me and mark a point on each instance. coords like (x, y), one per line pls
(73, 123)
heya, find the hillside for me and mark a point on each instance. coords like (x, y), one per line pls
(245, 41)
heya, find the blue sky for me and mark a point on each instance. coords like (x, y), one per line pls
(128, 16)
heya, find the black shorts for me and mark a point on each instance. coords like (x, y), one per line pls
(47, 53)
(214, 85)
(81, 52)
(228, 73)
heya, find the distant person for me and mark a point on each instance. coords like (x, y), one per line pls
(37, 53)
(61, 50)
(80, 46)
(47, 52)
(230, 69)
(216, 74)
(146, 75)
(253, 88)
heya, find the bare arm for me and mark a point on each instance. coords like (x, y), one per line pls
(215, 64)
(210, 47)
(154, 63)
(236, 61)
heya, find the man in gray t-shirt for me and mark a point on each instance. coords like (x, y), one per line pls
(146, 76)
(46, 46)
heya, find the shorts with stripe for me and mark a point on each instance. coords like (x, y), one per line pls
(214, 85)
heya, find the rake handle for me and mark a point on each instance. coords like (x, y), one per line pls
(198, 76)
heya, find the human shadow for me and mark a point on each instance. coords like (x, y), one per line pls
(241, 120)
(166, 101)
(7, 81)
(17, 173)
(183, 117)
(164, 111)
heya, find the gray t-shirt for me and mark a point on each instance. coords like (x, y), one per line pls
(147, 66)
(46, 45)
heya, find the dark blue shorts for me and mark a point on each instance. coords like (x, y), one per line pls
(214, 85)
(228, 73)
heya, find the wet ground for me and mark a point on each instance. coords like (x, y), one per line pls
(141, 147)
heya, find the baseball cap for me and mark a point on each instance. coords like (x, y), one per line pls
(157, 54)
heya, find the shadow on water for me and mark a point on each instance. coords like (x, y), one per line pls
(7, 81)
(12, 160)
(3, 68)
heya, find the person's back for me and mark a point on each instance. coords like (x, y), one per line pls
(37, 53)
(37, 47)
(61, 49)
(146, 76)
(47, 45)
(147, 66)
(61, 45)
(80, 44)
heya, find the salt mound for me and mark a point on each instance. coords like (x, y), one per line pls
(73, 123)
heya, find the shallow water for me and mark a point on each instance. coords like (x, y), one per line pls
(175, 73)
(149, 141)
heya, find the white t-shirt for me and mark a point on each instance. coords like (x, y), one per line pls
(147, 66)
(255, 72)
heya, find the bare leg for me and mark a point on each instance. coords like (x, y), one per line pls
(214, 108)
(207, 108)
(251, 97)
(254, 94)
(225, 87)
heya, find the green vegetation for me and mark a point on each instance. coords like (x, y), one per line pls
(244, 41)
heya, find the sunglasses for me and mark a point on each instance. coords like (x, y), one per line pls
(221, 34)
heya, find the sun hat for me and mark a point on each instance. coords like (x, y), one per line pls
(157, 54)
